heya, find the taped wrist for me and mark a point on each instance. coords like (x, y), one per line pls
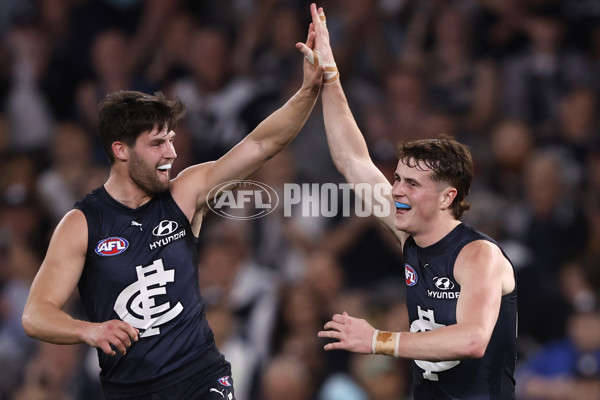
(331, 71)
(384, 342)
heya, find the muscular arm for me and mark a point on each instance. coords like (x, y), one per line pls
(484, 275)
(346, 143)
(266, 140)
(44, 317)
(480, 268)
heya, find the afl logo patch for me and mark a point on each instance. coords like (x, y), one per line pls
(111, 246)
(410, 275)
(224, 381)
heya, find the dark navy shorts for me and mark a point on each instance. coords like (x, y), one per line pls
(217, 385)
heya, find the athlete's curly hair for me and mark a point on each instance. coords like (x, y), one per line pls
(450, 162)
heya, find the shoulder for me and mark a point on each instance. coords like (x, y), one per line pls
(73, 227)
(482, 262)
(73, 220)
(480, 248)
(70, 234)
(473, 243)
(480, 254)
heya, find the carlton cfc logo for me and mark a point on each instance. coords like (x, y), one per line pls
(111, 246)
(410, 275)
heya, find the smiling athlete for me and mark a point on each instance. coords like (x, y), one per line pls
(131, 246)
(461, 289)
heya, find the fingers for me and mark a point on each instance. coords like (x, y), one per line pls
(333, 331)
(310, 29)
(321, 39)
(310, 36)
(119, 344)
(116, 336)
(341, 340)
(306, 49)
(334, 346)
(318, 17)
(340, 318)
(303, 49)
(310, 40)
(337, 323)
(105, 347)
(322, 17)
(126, 334)
(332, 335)
(123, 338)
(133, 333)
(314, 13)
(334, 325)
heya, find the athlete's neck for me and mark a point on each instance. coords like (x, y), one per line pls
(125, 191)
(438, 231)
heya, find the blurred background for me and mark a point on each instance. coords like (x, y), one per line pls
(516, 80)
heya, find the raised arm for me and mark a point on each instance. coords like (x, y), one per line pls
(346, 143)
(266, 140)
(44, 317)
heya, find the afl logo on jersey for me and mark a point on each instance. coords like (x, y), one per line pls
(410, 275)
(224, 380)
(111, 246)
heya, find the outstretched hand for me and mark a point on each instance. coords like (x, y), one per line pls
(320, 39)
(352, 334)
(317, 50)
(313, 77)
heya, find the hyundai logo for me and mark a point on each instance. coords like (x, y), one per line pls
(165, 228)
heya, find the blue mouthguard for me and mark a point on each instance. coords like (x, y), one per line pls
(403, 206)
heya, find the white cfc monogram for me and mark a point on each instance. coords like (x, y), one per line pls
(426, 322)
(136, 303)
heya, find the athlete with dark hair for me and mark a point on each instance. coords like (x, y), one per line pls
(461, 288)
(131, 248)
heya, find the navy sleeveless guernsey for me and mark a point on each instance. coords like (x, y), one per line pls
(142, 267)
(432, 294)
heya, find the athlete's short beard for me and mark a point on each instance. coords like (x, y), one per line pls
(144, 176)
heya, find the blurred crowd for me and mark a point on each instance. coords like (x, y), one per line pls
(518, 81)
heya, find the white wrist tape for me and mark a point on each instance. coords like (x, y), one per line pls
(331, 72)
(374, 340)
(384, 342)
(397, 346)
(331, 75)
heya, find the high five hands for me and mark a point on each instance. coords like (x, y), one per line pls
(317, 49)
